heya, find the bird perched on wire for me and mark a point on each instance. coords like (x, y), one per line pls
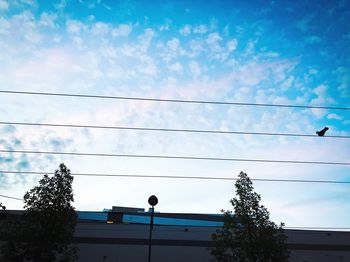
(322, 132)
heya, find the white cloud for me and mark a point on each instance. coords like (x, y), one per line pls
(232, 45)
(196, 47)
(320, 90)
(74, 26)
(313, 71)
(321, 99)
(170, 50)
(186, 30)
(78, 42)
(29, 2)
(48, 20)
(26, 26)
(249, 47)
(343, 78)
(107, 7)
(4, 5)
(334, 116)
(176, 67)
(61, 5)
(134, 67)
(101, 28)
(165, 27)
(200, 29)
(55, 68)
(213, 38)
(33, 37)
(281, 69)
(89, 4)
(173, 44)
(4, 26)
(250, 74)
(145, 40)
(304, 24)
(287, 83)
(36, 139)
(122, 30)
(149, 33)
(148, 66)
(195, 69)
(319, 113)
(313, 39)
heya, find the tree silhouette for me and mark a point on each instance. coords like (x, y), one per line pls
(3, 212)
(248, 235)
(45, 231)
(2, 208)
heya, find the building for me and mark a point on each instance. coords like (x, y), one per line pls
(122, 234)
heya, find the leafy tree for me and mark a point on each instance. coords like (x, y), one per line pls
(3, 212)
(45, 232)
(248, 235)
(3, 215)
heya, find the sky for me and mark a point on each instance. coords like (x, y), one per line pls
(274, 52)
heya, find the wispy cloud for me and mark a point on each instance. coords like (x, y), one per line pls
(4, 5)
(224, 57)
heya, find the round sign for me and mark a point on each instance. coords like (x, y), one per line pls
(153, 200)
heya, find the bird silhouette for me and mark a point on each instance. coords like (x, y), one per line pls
(322, 132)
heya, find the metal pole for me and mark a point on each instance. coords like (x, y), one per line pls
(150, 235)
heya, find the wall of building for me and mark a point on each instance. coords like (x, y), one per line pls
(106, 236)
(129, 242)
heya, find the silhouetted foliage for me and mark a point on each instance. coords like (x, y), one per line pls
(45, 231)
(2, 208)
(248, 235)
(3, 216)
(3, 212)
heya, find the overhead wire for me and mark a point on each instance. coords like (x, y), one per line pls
(199, 229)
(166, 129)
(285, 227)
(175, 157)
(181, 177)
(178, 130)
(11, 197)
(315, 228)
(275, 180)
(170, 100)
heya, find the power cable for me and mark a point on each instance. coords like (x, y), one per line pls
(315, 228)
(286, 227)
(11, 197)
(202, 231)
(205, 231)
(165, 129)
(176, 157)
(182, 177)
(210, 231)
(170, 100)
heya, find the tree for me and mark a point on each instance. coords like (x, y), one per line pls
(248, 235)
(3, 213)
(45, 231)
(2, 208)
(3, 216)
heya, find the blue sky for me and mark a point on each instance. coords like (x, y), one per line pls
(277, 52)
